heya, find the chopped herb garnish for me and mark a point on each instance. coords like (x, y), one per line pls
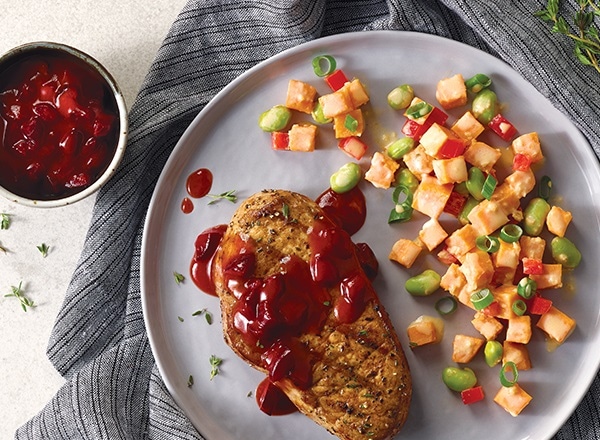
(179, 278)
(180, 319)
(285, 210)
(2, 249)
(190, 381)
(209, 318)
(198, 312)
(215, 362)
(249, 394)
(17, 292)
(362, 333)
(326, 303)
(43, 248)
(4, 221)
(207, 315)
(228, 195)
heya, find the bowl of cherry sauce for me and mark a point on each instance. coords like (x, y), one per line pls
(63, 125)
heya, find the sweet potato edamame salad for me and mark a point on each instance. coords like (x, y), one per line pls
(486, 213)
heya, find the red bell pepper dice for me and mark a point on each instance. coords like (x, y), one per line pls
(452, 148)
(472, 395)
(455, 203)
(539, 305)
(502, 127)
(353, 146)
(494, 309)
(415, 130)
(336, 80)
(521, 162)
(532, 266)
(280, 140)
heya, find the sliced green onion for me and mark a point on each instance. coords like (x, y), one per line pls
(487, 243)
(519, 307)
(475, 183)
(512, 371)
(511, 233)
(482, 299)
(446, 305)
(419, 110)
(489, 186)
(351, 123)
(478, 82)
(403, 205)
(545, 187)
(526, 287)
(323, 65)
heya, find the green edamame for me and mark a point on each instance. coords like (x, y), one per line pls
(485, 106)
(346, 178)
(400, 97)
(423, 284)
(397, 149)
(318, 116)
(565, 252)
(493, 351)
(274, 119)
(406, 178)
(458, 379)
(475, 182)
(464, 213)
(534, 216)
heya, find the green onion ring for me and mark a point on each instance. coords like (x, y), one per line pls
(511, 233)
(487, 243)
(419, 110)
(329, 63)
(351, 123)
(446, 305)
(519, 307)
(545, 187)
(526, 287)
(512, 367)
(482, 299)
(489, 186)
(402, 210)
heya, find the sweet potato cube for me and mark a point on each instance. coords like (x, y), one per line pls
(462, 241)
(382, 169)
(451, 92)
(302, 137)
(557, 220)
(464, 348)
(432, 234)
(505, 295)
(336, 103)
(349, 124)
(468, 127)
(455, 283)
(405, 252)
(532, 247)
(517, 353)
(487, 216)
(423, 330)
(528, 145)
(508, 255)
(300, 96)
(488, 326)
(508, 201)
(521, 182)
(435, 138)
(513, 399)
(431, 196)
(551, 277)
(519, 329)
(357, 92)
(452, 170)
(503, 275)
(478, 270)
(418, 161)
(481, 155)
(556, 324)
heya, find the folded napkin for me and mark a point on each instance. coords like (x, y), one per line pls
(113, 389)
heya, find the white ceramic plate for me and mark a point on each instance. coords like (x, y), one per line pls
(225, 138)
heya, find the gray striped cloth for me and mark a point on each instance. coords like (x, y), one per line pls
(99, 344)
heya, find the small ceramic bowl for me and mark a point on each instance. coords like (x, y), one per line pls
(63, 125)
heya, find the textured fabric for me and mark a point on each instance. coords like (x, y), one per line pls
(113, 389)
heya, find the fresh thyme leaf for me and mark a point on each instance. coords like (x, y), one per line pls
(190, 381)
(2, 249)
(17, 292)
(215, 362)
(208, 317)
(228, 195)
(4, 221)
(285, 210)
(179, 278)
(198, 312)
(180, 319)
(43, 248)
(585, 35)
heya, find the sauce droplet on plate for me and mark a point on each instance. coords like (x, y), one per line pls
(199, 183)
(187, 206)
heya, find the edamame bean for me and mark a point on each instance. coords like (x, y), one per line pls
(423, 284)
(534, 216)
(397, 149)
(464, 213)
(565, 252)
(485, 106)
(406, 178)
(459, 379)
(274, 119)
(400, 97)
(346, 178)
(493, 352)
(318, 116)
(475, 182)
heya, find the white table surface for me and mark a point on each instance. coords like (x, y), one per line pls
(124, 36)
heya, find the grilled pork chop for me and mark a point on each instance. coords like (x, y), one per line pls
(296, 304)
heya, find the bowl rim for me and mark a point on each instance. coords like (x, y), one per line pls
(122, 115)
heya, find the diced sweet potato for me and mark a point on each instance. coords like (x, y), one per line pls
(517, 353)
(478, 270)
(382, 169)
(302, 137)
(506, 198)
(488, 326)
(405, 252)
(528, 145)
(519, 329)
(464, 348)
(556, 324)
(336, 103)
(300, 96)
(357, 92)
(431, 196)
(513, 399)
(508, 255)
(462, 240)
(481, 155)
(557, 220)
(521, 182)
(551, 277)
(349, 124)
(468, 127)
(424, 330)
(436, 137)
(532, 247)
(432, 234)
(487, 216)
(418, 161)
(451, 92)
(452, 170)
(505, 295)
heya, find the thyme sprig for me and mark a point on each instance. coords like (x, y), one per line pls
(227, 195)
(215, 362)
(4, 220)
(18, 293)
(585, 35)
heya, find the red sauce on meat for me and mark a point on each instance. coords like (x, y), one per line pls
(348, 210)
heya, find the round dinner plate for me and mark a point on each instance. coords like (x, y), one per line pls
(225, 138)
